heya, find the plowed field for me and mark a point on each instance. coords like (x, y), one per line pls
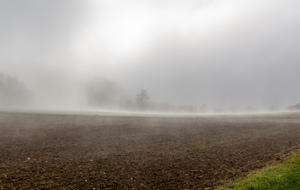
(94, 152)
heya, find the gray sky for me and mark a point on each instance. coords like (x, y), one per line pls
(220, 52)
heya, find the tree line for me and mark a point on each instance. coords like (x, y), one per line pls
(100, 93)
(293, 107)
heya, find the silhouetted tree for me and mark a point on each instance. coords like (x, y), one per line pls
(12, 91)
(142, 100)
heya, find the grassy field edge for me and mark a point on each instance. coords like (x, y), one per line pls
(285, 175)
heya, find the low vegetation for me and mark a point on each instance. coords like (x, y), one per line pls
(282, 176)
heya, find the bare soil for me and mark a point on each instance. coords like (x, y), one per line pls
(93, 152)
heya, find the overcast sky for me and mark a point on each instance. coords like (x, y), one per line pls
(219, 52)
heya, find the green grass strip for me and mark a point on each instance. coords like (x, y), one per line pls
(285, 175)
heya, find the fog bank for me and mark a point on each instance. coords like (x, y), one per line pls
(230, 55)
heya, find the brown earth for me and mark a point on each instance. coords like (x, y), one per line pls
(93, 152)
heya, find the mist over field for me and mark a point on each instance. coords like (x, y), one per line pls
(158, 56)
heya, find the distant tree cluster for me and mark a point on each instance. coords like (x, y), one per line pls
(12, 91)
(294, 107)
(102, 93)
(105, 94)
(143, 104)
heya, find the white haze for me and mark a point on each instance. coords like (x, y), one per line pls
(228, 54)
